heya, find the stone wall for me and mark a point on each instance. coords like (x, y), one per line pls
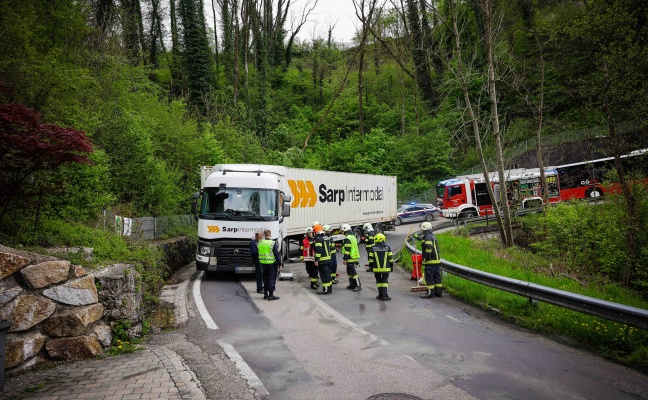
(53, 307)
(59, 311)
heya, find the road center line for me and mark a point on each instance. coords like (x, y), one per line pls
(343, 319)
(245, 370)
(200, 305)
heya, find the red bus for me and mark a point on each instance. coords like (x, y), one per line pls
(584, 179)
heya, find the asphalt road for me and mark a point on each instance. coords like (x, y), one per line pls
(352, 346)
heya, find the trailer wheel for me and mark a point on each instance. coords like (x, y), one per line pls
(357, 232)
(380, 228)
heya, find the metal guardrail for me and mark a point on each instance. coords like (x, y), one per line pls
(632, 316)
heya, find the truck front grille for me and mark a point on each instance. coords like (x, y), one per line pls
(234, 256)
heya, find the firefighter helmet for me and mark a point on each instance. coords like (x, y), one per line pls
(309, 230)
(318, 229)
(345, 228)
(426, 225)
(367, 227)
(315, 223)
(379, 238)
(327, 228)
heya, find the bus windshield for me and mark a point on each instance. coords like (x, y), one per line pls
(239, 204)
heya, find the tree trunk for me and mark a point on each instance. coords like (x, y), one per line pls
(492, 93)
(215, 38)
(421, 67)
(463, 81)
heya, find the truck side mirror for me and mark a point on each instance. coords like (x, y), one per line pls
(285, 210)
(194, 204)
(287, 198)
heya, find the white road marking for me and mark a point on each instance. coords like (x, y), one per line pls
(410, 357)
(200, 305)
(454, 319)
(245, 370)
(343, 319)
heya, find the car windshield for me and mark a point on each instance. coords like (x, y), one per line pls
(401, 209)
(239, 204)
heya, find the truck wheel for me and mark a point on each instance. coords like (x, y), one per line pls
(429, 217)
(467, 214)
(380, 228)
(285, 250)
(398, 221)
(593, 193)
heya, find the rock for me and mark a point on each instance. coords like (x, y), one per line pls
(8, 283)
(21, 347)
(10, 263)
(103, 333)
(7, 295)
(120, 293)
(73, 322)
(79, 292)
(28, 365)
(78, 271)
(29, 311)
(134, 331)
(73, 348)
(6, 311)
(46, 273)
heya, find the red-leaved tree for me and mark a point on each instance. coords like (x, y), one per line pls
(28, 147)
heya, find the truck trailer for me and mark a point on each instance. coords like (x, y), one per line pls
(237, 200)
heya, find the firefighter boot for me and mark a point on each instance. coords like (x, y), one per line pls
(314, 285)
(358, 286)
(325, 290)
(438, 292)
(428, 295)
(380, 293)
(385, 296)
(351, 284)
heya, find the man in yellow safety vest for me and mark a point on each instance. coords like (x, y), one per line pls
(270, 257)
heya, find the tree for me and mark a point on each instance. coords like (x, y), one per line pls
(366, 20)
(489, 39)
(198, 62)
(29, 148)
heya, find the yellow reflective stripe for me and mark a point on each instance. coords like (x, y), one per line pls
(381, 270)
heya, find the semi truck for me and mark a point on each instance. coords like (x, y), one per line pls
(237, 200)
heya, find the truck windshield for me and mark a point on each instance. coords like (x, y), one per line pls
(440, 189)
(239, 204)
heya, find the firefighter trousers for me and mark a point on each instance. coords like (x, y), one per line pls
(433, 278)
(311, 270)
(354, 279)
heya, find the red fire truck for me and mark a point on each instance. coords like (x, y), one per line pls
(467, 196)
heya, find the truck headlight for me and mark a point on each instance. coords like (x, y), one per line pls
(204, 250)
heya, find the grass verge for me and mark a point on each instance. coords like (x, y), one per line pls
(622, 343)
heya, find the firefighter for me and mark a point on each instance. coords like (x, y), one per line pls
(351, 255)
(329, 232)
(368, 240)
(270, 257)
(323, 258)
(307, 256)
(381, 263)
(431, 262)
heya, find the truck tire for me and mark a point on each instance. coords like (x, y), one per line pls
(380, 228)
(593, 193)
(467, 214)
(285, 250)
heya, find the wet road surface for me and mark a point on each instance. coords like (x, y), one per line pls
(351, 346)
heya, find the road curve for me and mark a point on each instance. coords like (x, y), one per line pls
(352, 346)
